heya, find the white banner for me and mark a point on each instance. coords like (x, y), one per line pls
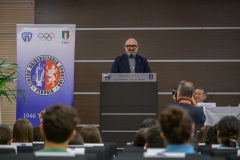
(45, 55)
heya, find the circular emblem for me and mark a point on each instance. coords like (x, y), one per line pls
(45, 75)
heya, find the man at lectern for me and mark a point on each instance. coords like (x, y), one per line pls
(130, 62)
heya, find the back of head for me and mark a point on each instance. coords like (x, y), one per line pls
(149, 122)
(154, 139)
(78, 140)
(5, 134)
(90, 134)
(229, 130)
(186, 89)
(23, 131)
(202, 134)
(140, 137)
(176, 125)
(211, 135)
(59, 121)
(37, 137)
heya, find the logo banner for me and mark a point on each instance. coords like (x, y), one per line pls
(45, 56)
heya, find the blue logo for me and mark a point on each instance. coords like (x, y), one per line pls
(27, 36)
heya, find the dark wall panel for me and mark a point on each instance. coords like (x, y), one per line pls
(88, 105)
(215, 77)
(207, 44)
(160, 44)
(138, 13)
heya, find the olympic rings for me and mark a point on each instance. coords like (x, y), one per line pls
(46, 36)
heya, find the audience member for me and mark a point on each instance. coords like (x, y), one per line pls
(37, 137)
(211, 136)
(78, 140)
(228, 131)
(154, 139)
(90, 134)
(58, 127)
(149, 122)
(202, 134)
(177, 129)
(130, 62)
(200, 94)
(140, 137)
(185, 100)
(22, 131)
(6, 136)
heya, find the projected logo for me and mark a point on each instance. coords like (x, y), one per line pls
(26, 36)
(45, 75)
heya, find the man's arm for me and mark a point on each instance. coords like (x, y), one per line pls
(114, 68)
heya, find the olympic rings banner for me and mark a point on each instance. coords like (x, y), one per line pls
(45, 56)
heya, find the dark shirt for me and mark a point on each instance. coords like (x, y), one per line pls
(121, 65)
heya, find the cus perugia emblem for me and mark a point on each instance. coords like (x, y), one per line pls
(45, 75)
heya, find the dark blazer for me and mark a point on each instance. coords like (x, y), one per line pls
(121, 65)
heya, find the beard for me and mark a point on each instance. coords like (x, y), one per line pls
(131, 54)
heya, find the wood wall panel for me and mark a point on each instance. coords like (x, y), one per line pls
(138, 13)
(160, 44)
(87, 107)
(12, 13)
(215, 77)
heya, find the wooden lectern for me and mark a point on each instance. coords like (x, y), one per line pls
(126, 99)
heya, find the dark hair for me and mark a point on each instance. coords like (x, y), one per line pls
(140, 137)
(211, 136)
(203, 89)
(37, 137)
(186, 89)
(5, 134)
(176, 125)
(23, 131)
(150, 122)
(202, 134)
(78, 139)
(229, 130)
(58, 122)
(154, 138)
(90, 134)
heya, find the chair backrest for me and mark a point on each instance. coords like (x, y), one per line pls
(24, 149)
(226, 153)
(8, 149)
(133, 149)
(38, 146)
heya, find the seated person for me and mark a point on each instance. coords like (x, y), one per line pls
(200, 94)
(202, 134)
(177, 129)
(22, 131)
(154, 139)
(211, 135)
(6, 136)
(90, 134)
(140, 137)
(228, 131)
(58, 127)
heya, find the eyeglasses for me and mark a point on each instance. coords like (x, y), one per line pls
(131, 46)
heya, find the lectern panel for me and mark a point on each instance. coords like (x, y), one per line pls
(128, 97)
(124, 105)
